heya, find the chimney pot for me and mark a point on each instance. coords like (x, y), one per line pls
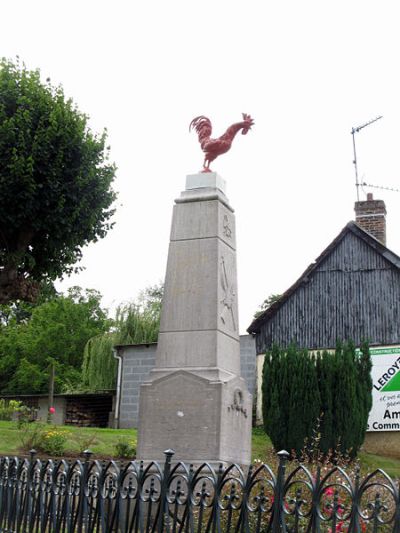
(370, 196)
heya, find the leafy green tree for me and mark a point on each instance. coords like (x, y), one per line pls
(135, 323)
(272, 298)
(99, 367)
(57, 331)
(150, 300)
(28, 377)
(21, 311)
(55, 183)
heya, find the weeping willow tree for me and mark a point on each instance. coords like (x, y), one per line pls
(99, 366)
(135, 323)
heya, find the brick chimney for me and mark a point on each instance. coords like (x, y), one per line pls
(371, 217)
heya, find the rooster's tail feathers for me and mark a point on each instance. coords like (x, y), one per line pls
(202, 125)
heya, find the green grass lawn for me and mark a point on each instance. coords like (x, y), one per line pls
(105, 440)
(104, 444)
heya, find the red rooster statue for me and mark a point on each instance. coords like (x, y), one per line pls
(215, 147)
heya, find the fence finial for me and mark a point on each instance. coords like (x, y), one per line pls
(283, 454)
(87, 454)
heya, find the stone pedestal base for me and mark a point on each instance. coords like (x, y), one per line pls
(203, 418)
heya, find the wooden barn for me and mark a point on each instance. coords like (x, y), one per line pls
(350, 292)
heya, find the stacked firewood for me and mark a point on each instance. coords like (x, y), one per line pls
(79, 415)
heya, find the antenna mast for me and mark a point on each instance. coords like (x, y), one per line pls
(353, 132)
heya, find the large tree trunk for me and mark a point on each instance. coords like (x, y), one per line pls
(14, 284)
(16, 287)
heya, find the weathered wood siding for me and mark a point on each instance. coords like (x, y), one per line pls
(353, 294)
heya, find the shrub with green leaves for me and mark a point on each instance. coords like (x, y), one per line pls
(26, 415)
(31, 436)
(126, 448)
(84, 439)
(332, 390)
(53, 441)
(8, 408)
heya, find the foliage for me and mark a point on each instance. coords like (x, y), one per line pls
(55, 183)
(72, 332)
(56, 332)
(25, 415)
(272, 298)
(19, 311)
(41, 437)
(125, 448)
(84, 439)
(53, 441)
(135, 323)
(331, 390)
(99, 365)
(31, 435)
(8, 408)
(106, 438)
(291, 401)
(363, 389)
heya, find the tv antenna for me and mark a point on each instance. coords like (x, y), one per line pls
(353, 132)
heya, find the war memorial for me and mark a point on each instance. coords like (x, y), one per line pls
(195, 400)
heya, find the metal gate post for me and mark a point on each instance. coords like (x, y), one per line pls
(278, 522)
(163, 512)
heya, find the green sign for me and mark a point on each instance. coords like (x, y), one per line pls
(385, 412)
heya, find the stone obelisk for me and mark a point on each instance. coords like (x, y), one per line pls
(195, 401)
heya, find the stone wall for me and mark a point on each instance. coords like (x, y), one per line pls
(138, 360)
(383, 443)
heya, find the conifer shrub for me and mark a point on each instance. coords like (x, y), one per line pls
(302, 390)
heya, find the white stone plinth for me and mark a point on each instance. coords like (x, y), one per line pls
(205, 180)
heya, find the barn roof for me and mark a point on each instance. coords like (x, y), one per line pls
(351, 227)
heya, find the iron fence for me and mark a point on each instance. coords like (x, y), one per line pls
(93, 496)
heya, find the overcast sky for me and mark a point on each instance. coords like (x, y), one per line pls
(306, 71)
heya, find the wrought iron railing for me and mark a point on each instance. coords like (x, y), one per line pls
(93, 496)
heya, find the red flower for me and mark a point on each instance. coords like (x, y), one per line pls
(52, 410)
